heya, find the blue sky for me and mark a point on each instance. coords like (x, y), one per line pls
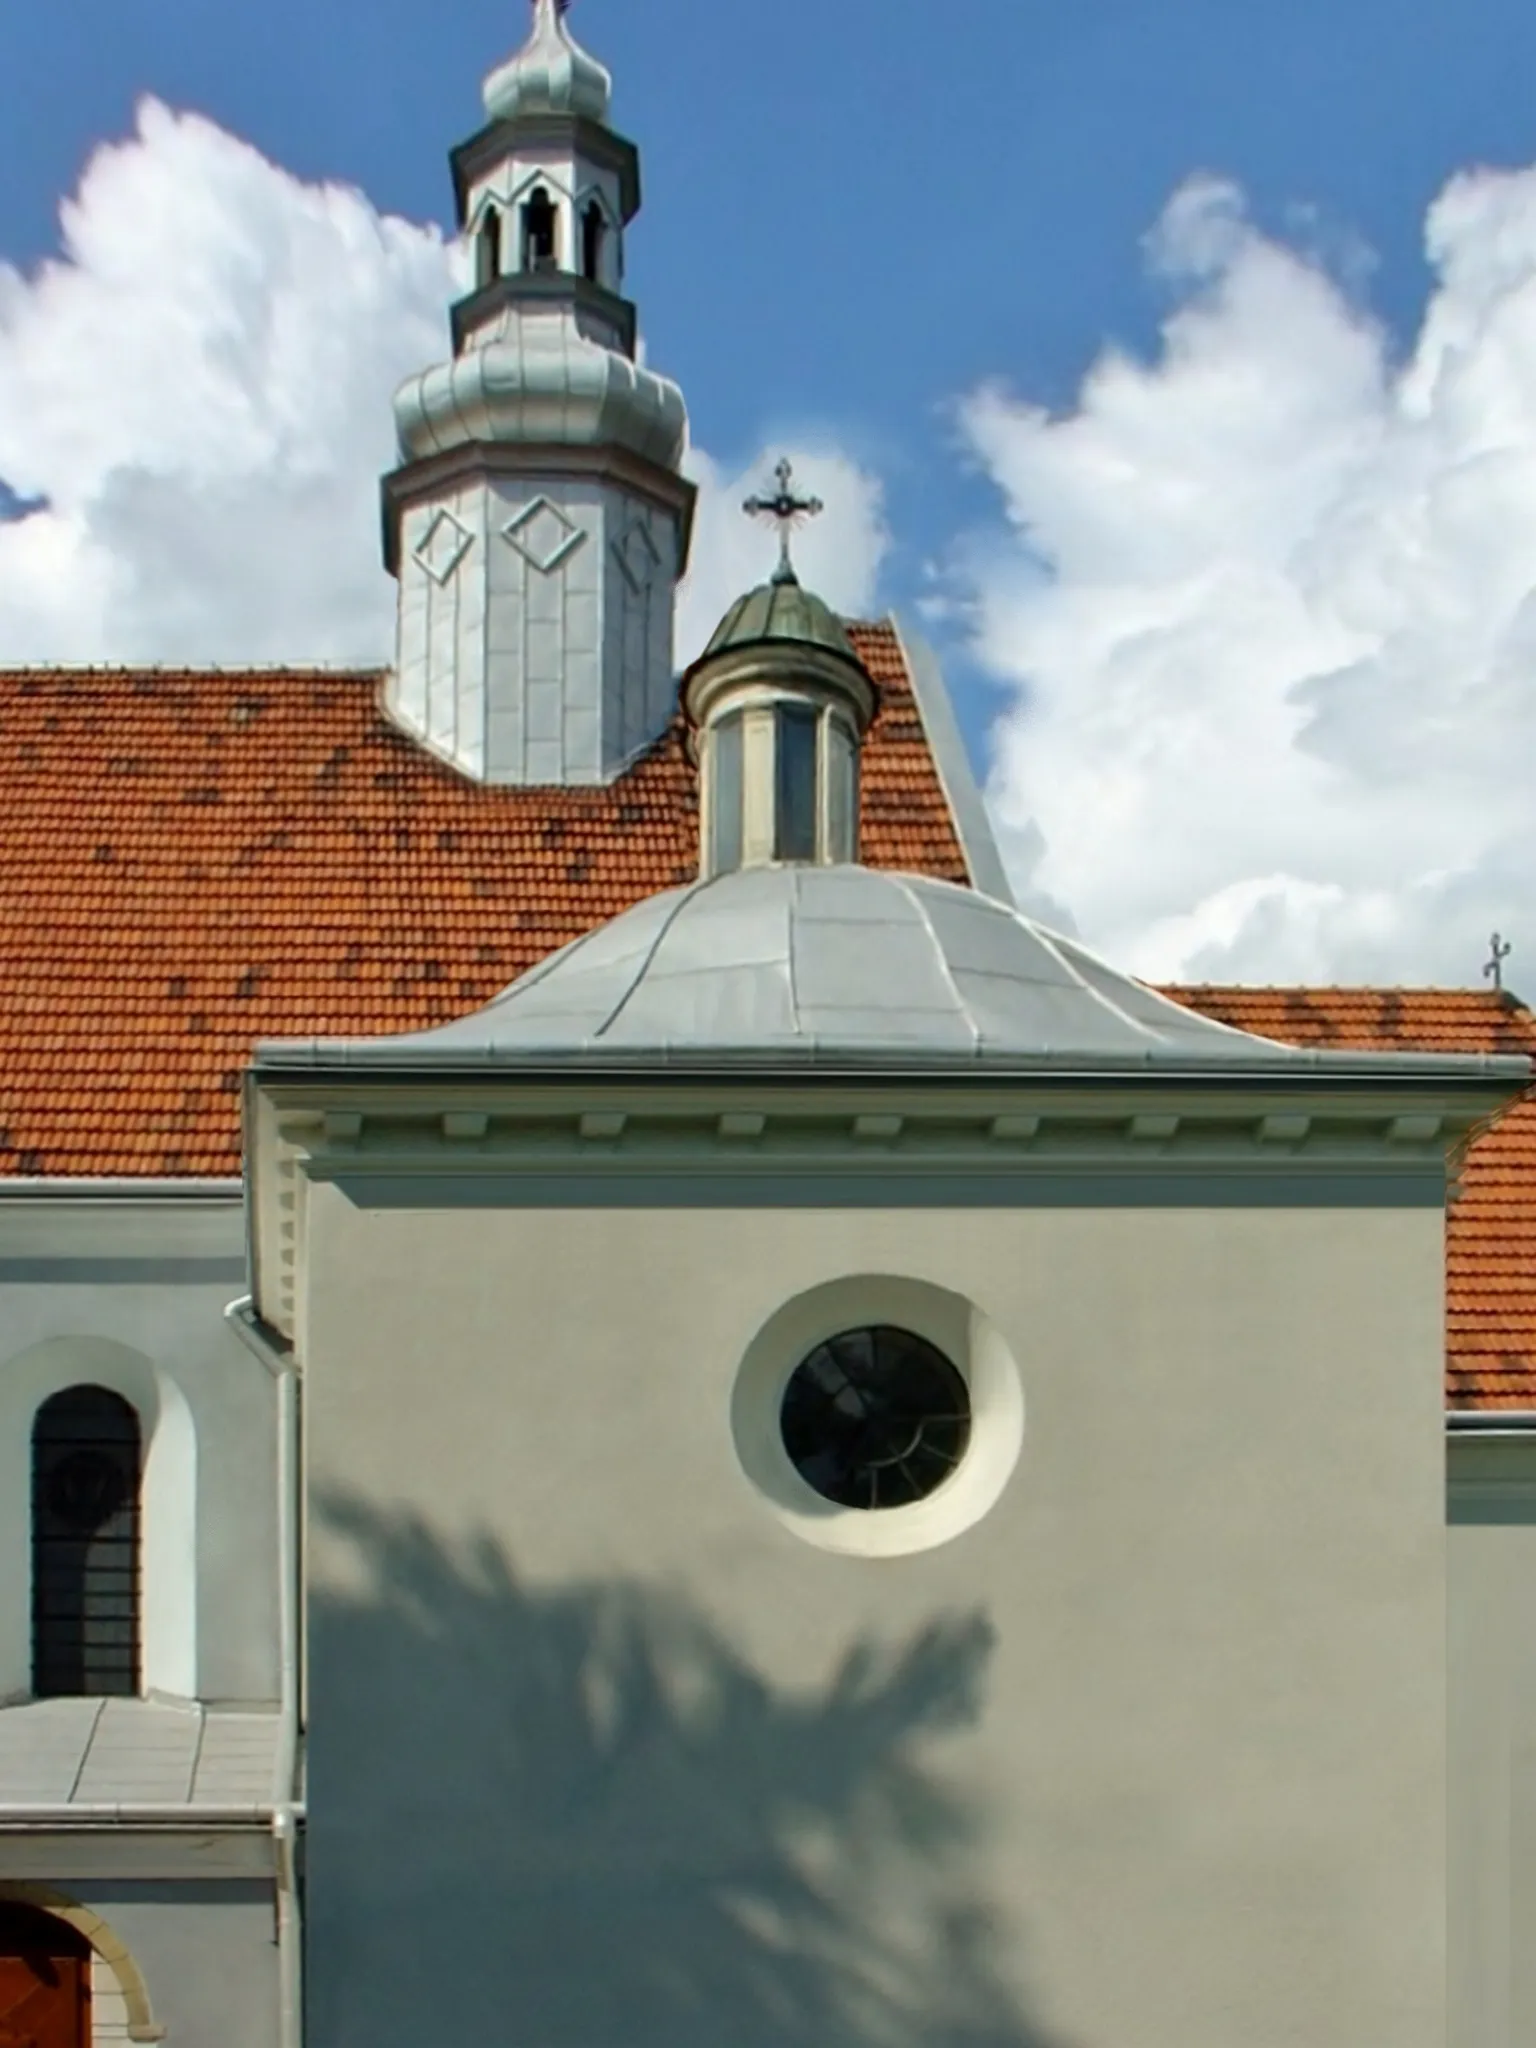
(854, 208)
(859, 213)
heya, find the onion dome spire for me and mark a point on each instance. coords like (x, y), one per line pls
(538, 520)
(551, 74)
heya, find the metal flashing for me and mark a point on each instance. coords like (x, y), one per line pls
(967, 806)
(851, 970)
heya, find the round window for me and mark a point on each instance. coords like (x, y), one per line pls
(876, 1418)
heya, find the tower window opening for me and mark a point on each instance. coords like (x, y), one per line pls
(488, 254)
(539, 232)
(592, 226)
(842, 775)
(795, 779)
(726, 795)
(85, 1545)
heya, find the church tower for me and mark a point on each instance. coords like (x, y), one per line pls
(539, 523)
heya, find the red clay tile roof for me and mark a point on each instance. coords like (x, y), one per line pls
(1491, 1256)
(191, 863)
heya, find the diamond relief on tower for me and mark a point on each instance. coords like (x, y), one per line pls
(443, 546)
(638, 556)
(543, 536)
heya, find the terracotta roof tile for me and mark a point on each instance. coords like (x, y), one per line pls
(1491, 1252)
(194, 862)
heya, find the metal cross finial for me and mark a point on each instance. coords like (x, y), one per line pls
(1495, 968)
(788, 510)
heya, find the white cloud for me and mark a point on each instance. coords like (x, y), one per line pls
(1269, 605)
(199, 388)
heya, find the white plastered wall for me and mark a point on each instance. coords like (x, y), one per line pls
(207, 1412)
(1206, 1754)
(1492, 1568)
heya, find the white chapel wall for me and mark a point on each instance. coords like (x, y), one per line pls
(1189, 1725)
(94, 1305)
(1492, 1677)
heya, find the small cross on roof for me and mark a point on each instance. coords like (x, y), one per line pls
(787, 510)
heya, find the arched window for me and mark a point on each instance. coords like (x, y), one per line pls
(85, 1545)
(488, 253)
(539, 231)
(592, 242)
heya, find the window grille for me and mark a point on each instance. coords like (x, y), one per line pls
(85, 1545)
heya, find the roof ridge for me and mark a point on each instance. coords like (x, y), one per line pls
(1505, 998)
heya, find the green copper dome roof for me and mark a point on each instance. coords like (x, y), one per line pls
(781, 610)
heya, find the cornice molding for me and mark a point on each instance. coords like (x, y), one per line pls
(474, 460)
(625, 1134)
(582, 136)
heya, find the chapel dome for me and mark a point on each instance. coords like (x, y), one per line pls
(837, 965)
(551, 74)
(778, 612)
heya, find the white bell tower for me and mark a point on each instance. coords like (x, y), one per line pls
(539, 522)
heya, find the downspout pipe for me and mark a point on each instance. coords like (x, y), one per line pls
(287, 1812)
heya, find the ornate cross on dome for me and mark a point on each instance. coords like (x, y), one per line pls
(788, 511)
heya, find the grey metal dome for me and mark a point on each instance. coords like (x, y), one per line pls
(843, 966)
(551, 74)
(541, 381)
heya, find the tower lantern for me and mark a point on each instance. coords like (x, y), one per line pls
(538, 523)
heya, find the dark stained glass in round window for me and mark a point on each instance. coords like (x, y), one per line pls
(876, 1418)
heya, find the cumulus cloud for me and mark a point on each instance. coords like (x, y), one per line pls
(198, 392)
(198, 388)
(1268, 606)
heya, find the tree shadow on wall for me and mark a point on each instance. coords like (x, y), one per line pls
(579, 1819)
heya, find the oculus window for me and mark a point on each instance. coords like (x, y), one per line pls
(876, 1418)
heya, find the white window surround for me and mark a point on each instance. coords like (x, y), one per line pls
(168, 1619)
(967, 1338)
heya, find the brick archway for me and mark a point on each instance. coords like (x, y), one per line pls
(109, 1951)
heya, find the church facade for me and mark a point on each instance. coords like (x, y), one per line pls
(633, 1411)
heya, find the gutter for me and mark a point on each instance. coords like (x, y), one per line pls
(287, 1814)
(31, 1188)
(1491, 1422)
(21, 1818)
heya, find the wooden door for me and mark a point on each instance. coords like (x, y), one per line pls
(45, 1982)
